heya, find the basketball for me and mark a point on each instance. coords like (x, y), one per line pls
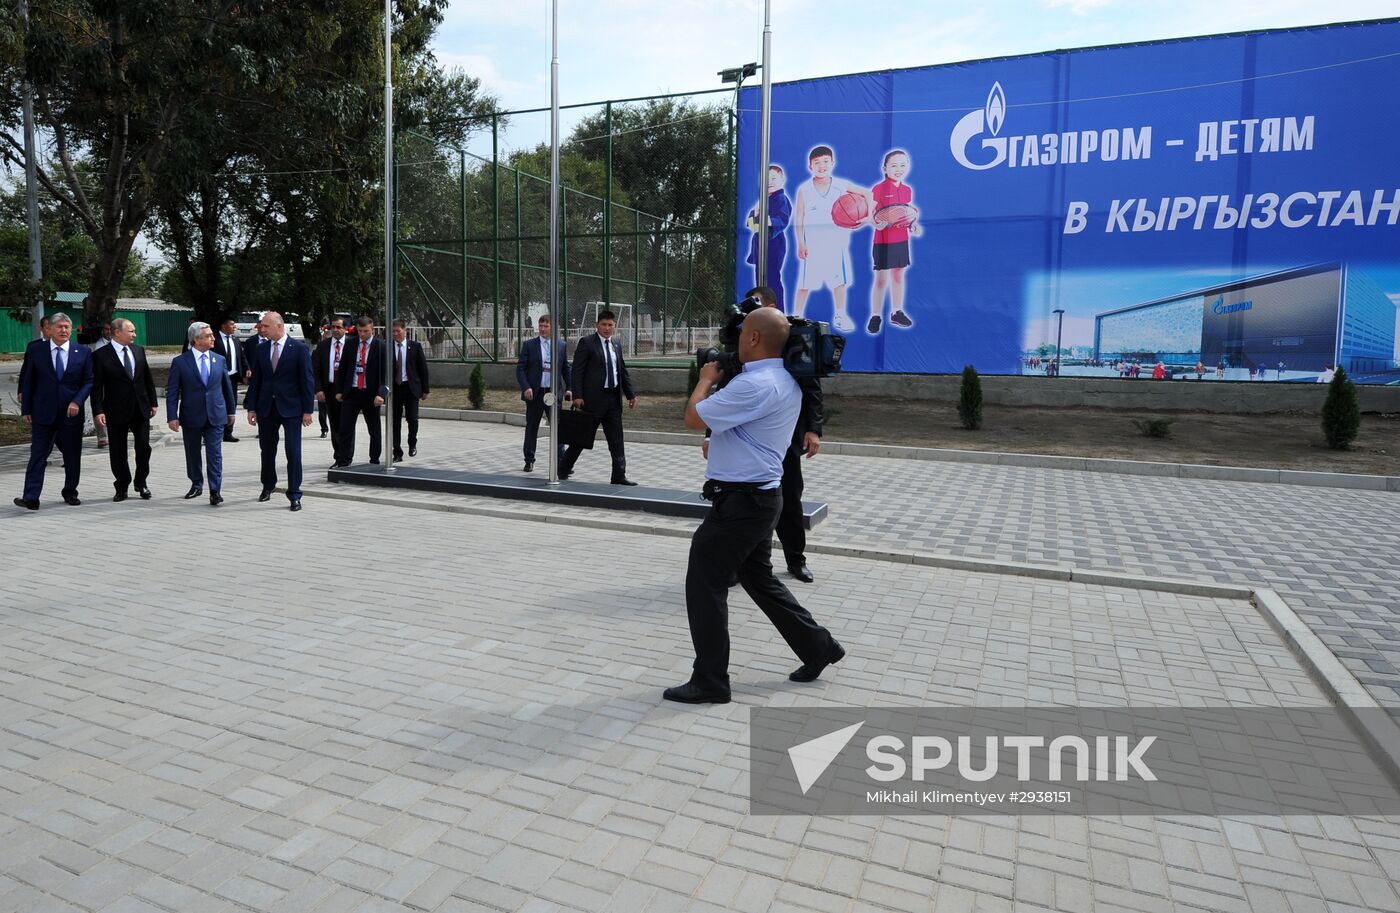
(849, 210)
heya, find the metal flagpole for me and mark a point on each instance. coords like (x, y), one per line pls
(31, 189)
(389, 374)
(556, 316)
(763, 152)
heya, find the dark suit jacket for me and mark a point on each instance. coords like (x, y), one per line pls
(47, 396)
(417, 368)
(810, 418)
(121, 398)
(240, 365)
(27, 364)
(590, 373)
(251, 344)
(321, 363)
(529, 368)
(374, 367)
(195, 404)
(290, 387)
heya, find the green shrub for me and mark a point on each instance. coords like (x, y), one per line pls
(1341, 413)
(970, 399)
(476, 390)
(1154, 427)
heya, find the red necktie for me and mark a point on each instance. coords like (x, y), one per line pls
(360, 373)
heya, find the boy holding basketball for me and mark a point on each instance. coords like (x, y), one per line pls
(823, 246)
(894, 220)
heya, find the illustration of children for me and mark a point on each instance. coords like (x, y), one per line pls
(779, 215)
(889, 248)
(823, 246)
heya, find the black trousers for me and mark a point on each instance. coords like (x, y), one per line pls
(790, 532)
(735, 542)
(332, 410)
(67, 435)
(405, 404)
(611, 422)
(355, 404)
(140, 430)
(535, 411)
(235, 379)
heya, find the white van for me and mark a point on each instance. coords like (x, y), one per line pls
(247, 322)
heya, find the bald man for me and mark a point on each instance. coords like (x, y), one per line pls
(281, 400)
(751, 423)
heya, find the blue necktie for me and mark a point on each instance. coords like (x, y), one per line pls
(58, 365)
(204, 368)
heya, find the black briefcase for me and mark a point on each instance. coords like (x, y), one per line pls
(577, 428)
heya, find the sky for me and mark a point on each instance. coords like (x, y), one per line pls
(612, 49)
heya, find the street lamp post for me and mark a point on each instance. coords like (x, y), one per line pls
(737, 75)
(1059, 337)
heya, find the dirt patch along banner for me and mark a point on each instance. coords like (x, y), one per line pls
(1222, 208)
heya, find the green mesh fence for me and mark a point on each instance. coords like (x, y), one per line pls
(646, 210)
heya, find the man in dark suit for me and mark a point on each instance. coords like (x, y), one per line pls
(533, 372)
(361, 387)
(806, 439)
(281, 391)
(325, 362)
(124, 402)
(200, 403)
(55, 388)
(36, 346)
(227, 344)
(251, 344)
(410, 387)
(602, 382)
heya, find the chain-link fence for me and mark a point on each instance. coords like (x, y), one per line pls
(646, 210)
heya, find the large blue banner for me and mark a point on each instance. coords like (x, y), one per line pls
(1224, 207)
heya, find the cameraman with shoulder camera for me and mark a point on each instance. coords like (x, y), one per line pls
(752, 420)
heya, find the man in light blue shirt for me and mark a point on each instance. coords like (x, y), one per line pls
(751, 422)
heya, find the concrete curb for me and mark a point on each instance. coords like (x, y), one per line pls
(1353, 481)
(1377, 730)
(1371, 721)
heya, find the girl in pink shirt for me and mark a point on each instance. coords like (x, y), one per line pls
(889, 249)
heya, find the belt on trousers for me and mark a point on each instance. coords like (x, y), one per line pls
(714, 488)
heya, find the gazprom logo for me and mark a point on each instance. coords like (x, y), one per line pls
(987, 119)
(977, 142)
(1220, 307)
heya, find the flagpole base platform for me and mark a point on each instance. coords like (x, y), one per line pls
(667, 502)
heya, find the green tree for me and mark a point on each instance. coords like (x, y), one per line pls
(1341, 412)
(970, 399)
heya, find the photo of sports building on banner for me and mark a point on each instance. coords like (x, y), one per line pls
(1294, 325)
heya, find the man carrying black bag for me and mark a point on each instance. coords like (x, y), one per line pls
(752, 421)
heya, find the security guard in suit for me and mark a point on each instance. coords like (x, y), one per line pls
(752, 422)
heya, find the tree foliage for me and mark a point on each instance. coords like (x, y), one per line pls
(1341, 412)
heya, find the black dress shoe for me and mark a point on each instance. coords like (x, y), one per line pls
(145, 493)
(623, 481)
(230, 439)
(266, 495)
(194, 492)
(323, 434)
(27, 505)
(119, 497)
(808, 672)
(564, 474)
(529, 467)
(801, 573)
(413, 451)
(374, 462)
(691, 693)
(296, 505)
(71, 500)
(215, 499)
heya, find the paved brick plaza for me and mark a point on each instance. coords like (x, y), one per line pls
(196, 716)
